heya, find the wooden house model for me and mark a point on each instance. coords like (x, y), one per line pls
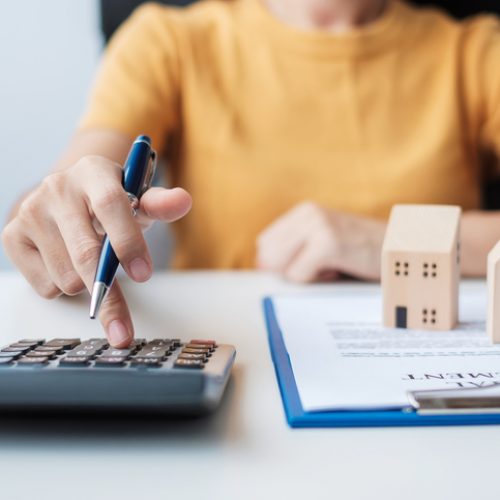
(421, 267)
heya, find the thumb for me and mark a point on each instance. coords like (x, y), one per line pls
(165, 204)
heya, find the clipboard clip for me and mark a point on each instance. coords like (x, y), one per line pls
(485, 399)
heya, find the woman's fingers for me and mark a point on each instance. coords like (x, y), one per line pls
(82, 243)
(311, 242)
(83, 246)
(308, 264)
(280, 243)
(59, 267)
(115, 317)
(28, 260)
(56, 259)
(110, 204)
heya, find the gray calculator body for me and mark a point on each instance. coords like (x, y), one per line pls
(165, 388)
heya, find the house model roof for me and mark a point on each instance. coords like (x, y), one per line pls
(422, 228)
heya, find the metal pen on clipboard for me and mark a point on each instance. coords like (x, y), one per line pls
(474, 400)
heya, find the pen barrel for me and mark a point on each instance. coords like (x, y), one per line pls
(108, 264)
(136, 166)
(135, 177)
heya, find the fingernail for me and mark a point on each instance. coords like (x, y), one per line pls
(139, 269)
(118, 332)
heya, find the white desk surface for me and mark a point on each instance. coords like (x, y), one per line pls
(246, 450)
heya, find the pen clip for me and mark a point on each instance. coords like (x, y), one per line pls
(148, 180)
(150, 172)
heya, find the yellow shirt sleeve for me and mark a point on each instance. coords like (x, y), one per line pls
(137, 86)
(482, 59)
(492, 90)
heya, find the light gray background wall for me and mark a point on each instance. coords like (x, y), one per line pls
(48, 53)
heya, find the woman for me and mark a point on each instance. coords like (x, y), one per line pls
(294, 124)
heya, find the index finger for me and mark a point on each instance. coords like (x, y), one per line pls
(110, 204)
(84, 247)
(115, 318)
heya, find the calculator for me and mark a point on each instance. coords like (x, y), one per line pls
(160, 375)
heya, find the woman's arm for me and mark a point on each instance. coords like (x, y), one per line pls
(480, 231)
(311, 243)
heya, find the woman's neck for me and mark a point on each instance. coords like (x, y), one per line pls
(335, 16)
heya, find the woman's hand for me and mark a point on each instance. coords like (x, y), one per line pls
(311, 243)
(55, 236)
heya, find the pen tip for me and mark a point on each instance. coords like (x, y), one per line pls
(98, 294)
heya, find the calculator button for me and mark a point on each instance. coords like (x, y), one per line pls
(153, 352)
(122, 353)
(209, 347)
(211, 343)
(31, 341)
(167, 348)
(53, 350)
(151, 355)
(189, 363)
(63, 343)
(15, 349)
(196, 351)
(90, 353)
(136, 344)
(11, 354)
(97, 343)
(152, 362)
(24, 345)
(74, 361)
(34, 354)
(87, 347)
(187, 355)
(160, 342)
(6, 361)
(39, 360)
(109, 361)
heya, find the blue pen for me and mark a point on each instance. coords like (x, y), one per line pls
(138, 173)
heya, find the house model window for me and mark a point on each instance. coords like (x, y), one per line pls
(421, 267)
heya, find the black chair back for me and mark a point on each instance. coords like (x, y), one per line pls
(114, 12)
(463, 8)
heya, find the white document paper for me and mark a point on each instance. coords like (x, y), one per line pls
(343, 359)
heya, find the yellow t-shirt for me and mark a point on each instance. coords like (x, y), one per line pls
(255, 116)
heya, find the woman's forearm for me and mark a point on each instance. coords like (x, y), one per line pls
(480, 231)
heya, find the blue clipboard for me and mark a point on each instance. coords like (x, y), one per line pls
(297, 417)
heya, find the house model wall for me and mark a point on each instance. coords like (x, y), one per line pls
(493, 278)
(421, 267)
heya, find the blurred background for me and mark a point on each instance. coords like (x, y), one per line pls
(48, 54)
